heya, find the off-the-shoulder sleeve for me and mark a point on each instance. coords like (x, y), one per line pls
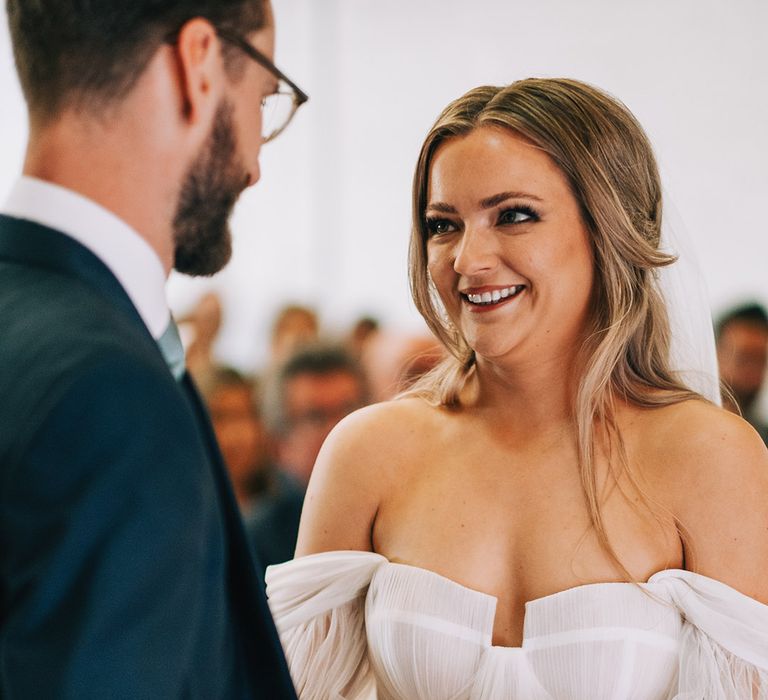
(318, 603)
(724, 648)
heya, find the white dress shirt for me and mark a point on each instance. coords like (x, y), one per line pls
(128, 256)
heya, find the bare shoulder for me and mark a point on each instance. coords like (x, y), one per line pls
(381, 431)
(712, 469)
(702, 441)
(360, 462)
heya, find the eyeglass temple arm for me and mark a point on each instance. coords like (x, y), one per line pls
(261, 59)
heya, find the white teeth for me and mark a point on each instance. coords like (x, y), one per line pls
(495, 296)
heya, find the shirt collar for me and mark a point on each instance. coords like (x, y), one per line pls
(128, 256)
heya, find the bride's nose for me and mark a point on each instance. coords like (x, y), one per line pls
(476, 252)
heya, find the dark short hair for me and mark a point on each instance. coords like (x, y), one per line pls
(752, 313)
(226, 376)
(318, 359)
(91, 52)
(288, 311)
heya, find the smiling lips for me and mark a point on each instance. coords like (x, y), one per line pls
(493, 297)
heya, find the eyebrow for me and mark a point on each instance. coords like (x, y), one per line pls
(487, 203)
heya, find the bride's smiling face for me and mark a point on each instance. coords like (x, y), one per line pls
(507, 248)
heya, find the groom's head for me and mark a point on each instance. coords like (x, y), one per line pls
(89, 54)
(156, 95)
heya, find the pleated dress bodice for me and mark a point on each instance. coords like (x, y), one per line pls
(355, 625)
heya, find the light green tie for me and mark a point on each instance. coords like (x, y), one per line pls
(173, 350)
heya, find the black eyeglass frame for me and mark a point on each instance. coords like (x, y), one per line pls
(299, 96)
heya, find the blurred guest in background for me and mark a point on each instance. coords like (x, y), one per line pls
(742, 353)
(394, 360)
(201, 326)
(233, 405)
(312, 391)
(272, 523)
(362, 332)
(294, 327)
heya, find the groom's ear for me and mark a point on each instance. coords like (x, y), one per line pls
(200, 72)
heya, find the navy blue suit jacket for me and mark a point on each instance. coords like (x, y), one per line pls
(124, 569)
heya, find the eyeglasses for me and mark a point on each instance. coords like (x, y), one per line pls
(277, 109)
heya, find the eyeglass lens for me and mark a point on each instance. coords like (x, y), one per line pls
(276, 111)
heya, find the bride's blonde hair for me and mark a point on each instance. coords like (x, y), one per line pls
(610, 166)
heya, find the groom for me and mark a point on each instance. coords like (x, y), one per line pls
(124, 570)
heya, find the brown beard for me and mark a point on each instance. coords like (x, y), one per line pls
(214, 181)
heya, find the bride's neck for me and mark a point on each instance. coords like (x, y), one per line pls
(534, 394)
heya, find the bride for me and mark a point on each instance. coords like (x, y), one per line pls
(554, 512)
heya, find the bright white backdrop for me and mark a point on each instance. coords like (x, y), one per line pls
(328, 225)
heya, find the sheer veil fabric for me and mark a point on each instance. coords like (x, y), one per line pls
(692, 353)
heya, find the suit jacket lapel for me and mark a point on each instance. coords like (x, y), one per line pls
(265, 657)
(28, 243)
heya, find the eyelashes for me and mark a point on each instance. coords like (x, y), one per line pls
(436, 226)
(517, 215)
(510, 216)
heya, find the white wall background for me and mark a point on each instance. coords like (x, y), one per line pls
(328, 225)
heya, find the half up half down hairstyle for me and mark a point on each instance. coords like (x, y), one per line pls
(607, 158)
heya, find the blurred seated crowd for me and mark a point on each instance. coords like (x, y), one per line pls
(270, 427)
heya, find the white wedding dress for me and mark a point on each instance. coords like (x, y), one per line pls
(354, 626)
